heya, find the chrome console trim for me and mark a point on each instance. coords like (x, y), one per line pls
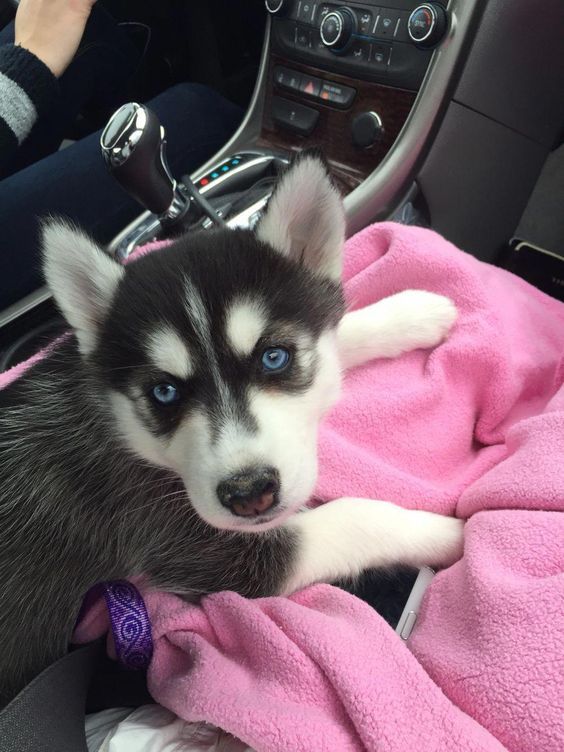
(250, 127)
(24, 305)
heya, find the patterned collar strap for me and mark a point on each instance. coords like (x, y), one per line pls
(130, 624)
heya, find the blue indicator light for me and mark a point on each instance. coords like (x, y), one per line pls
(225, 168)
(235, 162)
(215, 175)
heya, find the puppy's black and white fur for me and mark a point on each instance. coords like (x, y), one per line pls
(99, 480)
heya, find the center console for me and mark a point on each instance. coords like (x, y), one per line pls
(345, 76)
(364, 82)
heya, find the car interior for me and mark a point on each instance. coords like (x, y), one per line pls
(446, 114)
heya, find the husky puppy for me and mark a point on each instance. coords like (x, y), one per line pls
(173, 433)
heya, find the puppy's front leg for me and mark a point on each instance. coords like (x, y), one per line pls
(347, 536)
(394, 325)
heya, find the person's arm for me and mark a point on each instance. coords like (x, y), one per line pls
(47, 35)
(27, 89)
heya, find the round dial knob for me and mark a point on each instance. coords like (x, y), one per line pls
(427, 24)
(367, 130)
(337, 29)
(278, 7)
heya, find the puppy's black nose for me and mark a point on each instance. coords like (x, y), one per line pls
(251, 492)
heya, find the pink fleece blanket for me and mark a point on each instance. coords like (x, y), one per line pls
(475, 428)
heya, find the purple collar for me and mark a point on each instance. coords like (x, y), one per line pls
(129, 621)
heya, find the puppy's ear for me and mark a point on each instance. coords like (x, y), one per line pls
(305, 219)
(81, 277)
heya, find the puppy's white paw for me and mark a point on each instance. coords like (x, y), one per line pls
(406, 321)
(428, 317)
(349, 535)
(447, 540)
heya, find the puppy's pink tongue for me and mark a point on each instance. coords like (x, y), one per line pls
(265, 502)
(254, 506)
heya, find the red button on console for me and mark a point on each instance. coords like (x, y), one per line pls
(310, 85)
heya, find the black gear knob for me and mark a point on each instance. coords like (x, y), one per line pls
(134, 148)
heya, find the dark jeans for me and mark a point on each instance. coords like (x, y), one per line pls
(74, 183)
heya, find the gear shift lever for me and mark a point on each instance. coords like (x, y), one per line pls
(134, 148)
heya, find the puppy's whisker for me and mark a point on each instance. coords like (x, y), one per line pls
(168, 498)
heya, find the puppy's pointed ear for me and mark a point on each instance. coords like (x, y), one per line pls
(82, 278)
(305, 219)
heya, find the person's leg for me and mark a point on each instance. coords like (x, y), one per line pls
(74, 183)
(104, 63)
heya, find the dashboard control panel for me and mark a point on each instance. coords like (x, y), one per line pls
(387, 45)
(315, 89)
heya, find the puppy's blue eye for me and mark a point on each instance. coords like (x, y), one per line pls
(275, 359)
(165, 394)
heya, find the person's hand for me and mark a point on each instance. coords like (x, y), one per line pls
(52, 29)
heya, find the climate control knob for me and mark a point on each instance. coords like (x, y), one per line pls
(337, 29)
(367, 130)
(427, 24)
(278, 7)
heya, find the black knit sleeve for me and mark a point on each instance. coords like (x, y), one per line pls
(27, 90)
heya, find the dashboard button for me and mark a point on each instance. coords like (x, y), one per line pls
(287, 78)
(359, 51)
(388, 23)
(280, 76)
(380, 56)
(310, 85)
(306, 11)
(365, 20)
(341, 96)
(294, 80)
(293, 116)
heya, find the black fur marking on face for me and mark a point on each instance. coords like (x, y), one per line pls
(216, 268)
